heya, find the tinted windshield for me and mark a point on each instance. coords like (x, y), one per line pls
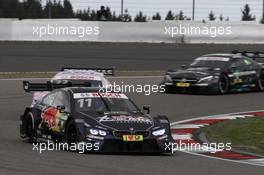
(105, 104)
(210, 62)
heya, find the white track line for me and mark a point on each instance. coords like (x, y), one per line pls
(187, 126)
(182, 136)
(232, 117)
(259, 162)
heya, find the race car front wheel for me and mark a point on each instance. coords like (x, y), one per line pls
(73, 138)
(223, 84)
(71, 133)
(260, 83)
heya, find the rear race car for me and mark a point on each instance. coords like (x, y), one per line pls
(95, 77)
(218, 74)
(107, 122)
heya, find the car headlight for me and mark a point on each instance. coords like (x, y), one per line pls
(94, 131)
(159, 132)
(97, 132)
(102, 133)
(167, 78)
(206, 79)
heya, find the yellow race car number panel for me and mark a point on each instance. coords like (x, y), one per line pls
(183, 84)
(132, 138)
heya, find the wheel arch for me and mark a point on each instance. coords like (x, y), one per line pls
(226, 74)
(23, 117)
(162, 120)
(262, 73)
(35, 117)
(66, 124)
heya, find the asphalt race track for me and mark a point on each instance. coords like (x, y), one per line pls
(17, 157)
(51, 56)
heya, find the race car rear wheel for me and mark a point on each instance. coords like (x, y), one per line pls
(223, 84)
(168, 89)
(28, 128)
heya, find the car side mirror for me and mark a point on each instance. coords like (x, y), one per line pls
(147, 109)
(183, 66)
(61, 108)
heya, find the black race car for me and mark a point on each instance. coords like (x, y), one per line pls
(218, 74)
(109, 122)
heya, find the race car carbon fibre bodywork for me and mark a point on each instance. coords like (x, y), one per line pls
(88, 115)
(218, 74)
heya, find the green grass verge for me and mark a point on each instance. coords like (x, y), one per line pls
(13, 75)
(246, 135)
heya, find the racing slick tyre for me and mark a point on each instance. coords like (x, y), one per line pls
(168, 89)
(72, 135)
(27, 128)
(71, 132)
(223, 84)
(260, 83)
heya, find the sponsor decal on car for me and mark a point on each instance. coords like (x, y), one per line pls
(77, 77)
(53, 118)
(244, 73)
(124, 118)
(238, 80)
(98, 95)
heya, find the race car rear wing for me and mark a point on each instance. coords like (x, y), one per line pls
(105, 71)
(251, 54)
(49, 86)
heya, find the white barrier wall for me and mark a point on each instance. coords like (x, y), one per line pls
(5, 29)
(55, 30)
(153, 32)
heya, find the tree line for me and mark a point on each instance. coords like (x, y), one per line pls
(32, 9)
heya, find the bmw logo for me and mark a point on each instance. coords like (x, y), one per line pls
(183, 80)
